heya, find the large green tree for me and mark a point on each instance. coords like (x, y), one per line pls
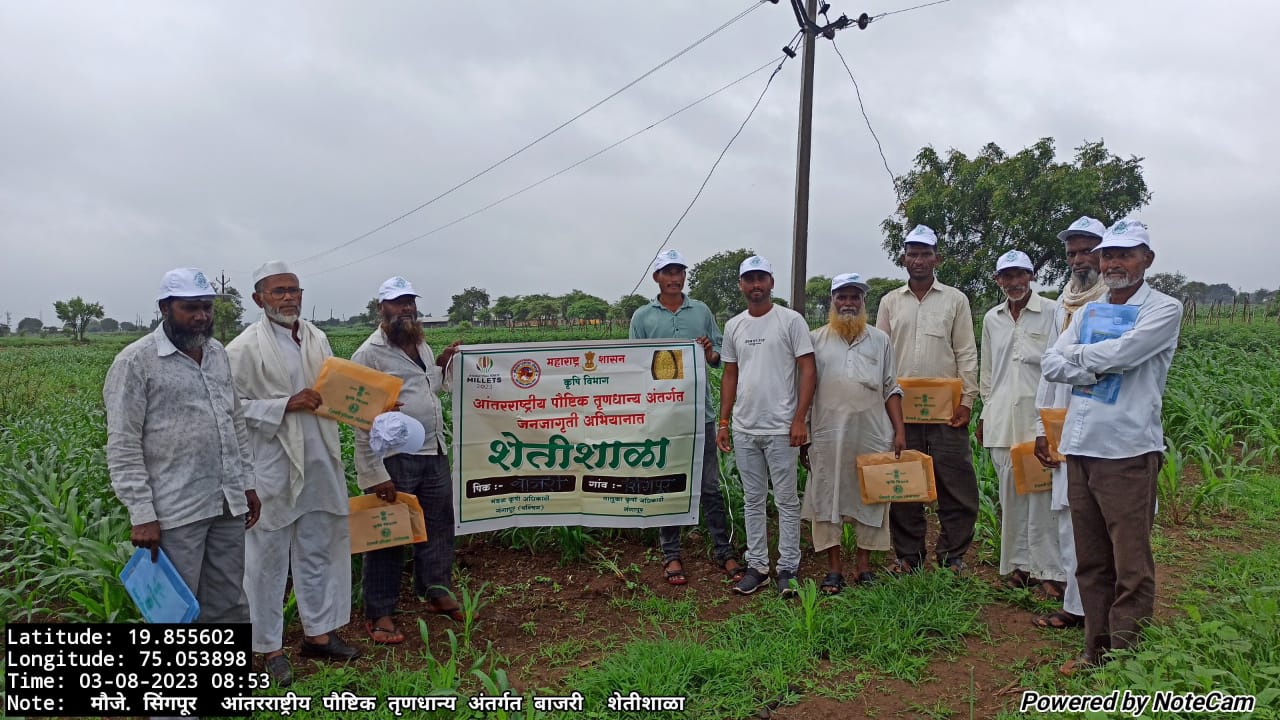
(714, 281)
(76, 314)
(228, 309)
(30, 326)
(627, 306)
(588, 308)
(468, 304)
(817, 297)
(879, 288)
(991, 203)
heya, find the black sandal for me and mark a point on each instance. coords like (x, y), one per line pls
(866, 577)
(737, 573)
(1017, 579)
(832, 584)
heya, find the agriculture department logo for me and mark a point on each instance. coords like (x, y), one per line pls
(525, 374)
(484, 363)
(1011, 255)
(1082, 222)
(671, 255)
(200, 281)
(399, 282)
(1121, 228)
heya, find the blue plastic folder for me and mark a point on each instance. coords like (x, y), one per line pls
(1104, 321)
(158, 590)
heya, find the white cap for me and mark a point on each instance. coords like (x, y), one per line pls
(269, 268)
(847, 279)
(753, 263)
(1014, 259)
(1125, 234)
(670, 257)
(185, 283)
(395, 432)
(394, 287)
(922, 234)
(1084, 226)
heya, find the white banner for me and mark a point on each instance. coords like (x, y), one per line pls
(604, 433)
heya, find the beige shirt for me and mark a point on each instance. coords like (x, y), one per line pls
(1011, 352)
(932, 337)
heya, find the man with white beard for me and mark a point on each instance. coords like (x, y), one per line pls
(857, 409)
(1114, 444)
(1084, 286)
(396, 347)
(177, 449)
(301, 479)
(1014, 336)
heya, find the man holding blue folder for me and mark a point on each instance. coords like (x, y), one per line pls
(178, 449)
(1116, 355)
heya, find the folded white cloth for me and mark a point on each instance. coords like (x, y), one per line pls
(395, 432)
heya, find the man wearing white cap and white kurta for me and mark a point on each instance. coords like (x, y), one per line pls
(857, 409)
(301, 480)
(396, 347)
(1114, 444)
(177, 449)
(1014, 336)
(1084, 286)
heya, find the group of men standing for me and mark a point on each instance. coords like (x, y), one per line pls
(822, 398)
(222, 464)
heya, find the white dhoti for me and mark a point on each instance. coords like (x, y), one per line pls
(1066, 541)
(317, 547)
(1029, 532)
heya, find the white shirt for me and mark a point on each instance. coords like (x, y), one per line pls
(324, 485)
(177, 447)
(932, 337)
(1130, 427)
(419, 395)
(1010, 370)
(765, 349)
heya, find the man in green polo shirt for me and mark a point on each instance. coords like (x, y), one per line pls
(676, 315)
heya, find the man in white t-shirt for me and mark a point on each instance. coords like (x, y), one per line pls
(768, 384)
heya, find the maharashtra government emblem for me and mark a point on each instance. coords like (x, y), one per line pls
(590, 364)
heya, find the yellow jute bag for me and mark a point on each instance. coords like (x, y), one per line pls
(1029, 476)
(1054, 419)
(929, 400)
(354, 394)
(885, 478)
(376, 524)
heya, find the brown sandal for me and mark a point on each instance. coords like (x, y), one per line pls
(383, 636)
(674, 577)
(1060, 620)
(737, 573)
(1053, 589)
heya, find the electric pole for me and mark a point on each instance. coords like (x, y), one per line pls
(800, 231)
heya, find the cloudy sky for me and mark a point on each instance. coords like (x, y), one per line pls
(140, 136)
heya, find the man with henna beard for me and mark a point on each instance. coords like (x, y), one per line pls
(396, 347)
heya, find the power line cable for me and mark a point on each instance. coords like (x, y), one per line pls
(556, 174)
(917, 7)
(892, 179)
(787, 53)
(753, 6)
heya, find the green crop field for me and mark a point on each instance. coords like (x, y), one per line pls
(65, 538)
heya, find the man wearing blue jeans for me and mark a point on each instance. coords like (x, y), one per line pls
(676, 315)
(768, 384)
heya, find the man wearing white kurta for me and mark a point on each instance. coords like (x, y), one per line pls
(298, 461)
(857, 409)
(1014, 336)
(1084, 287)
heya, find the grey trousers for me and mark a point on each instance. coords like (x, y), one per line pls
(1113, 504)
(209, 555)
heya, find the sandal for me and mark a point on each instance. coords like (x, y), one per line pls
(1017, 579)
(866, 577)
(902, 566)
(383, 636)
(1053, 589)
(453, 613)
(737, 573)
(1060, 620)
(674, 577)
(832, 584)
